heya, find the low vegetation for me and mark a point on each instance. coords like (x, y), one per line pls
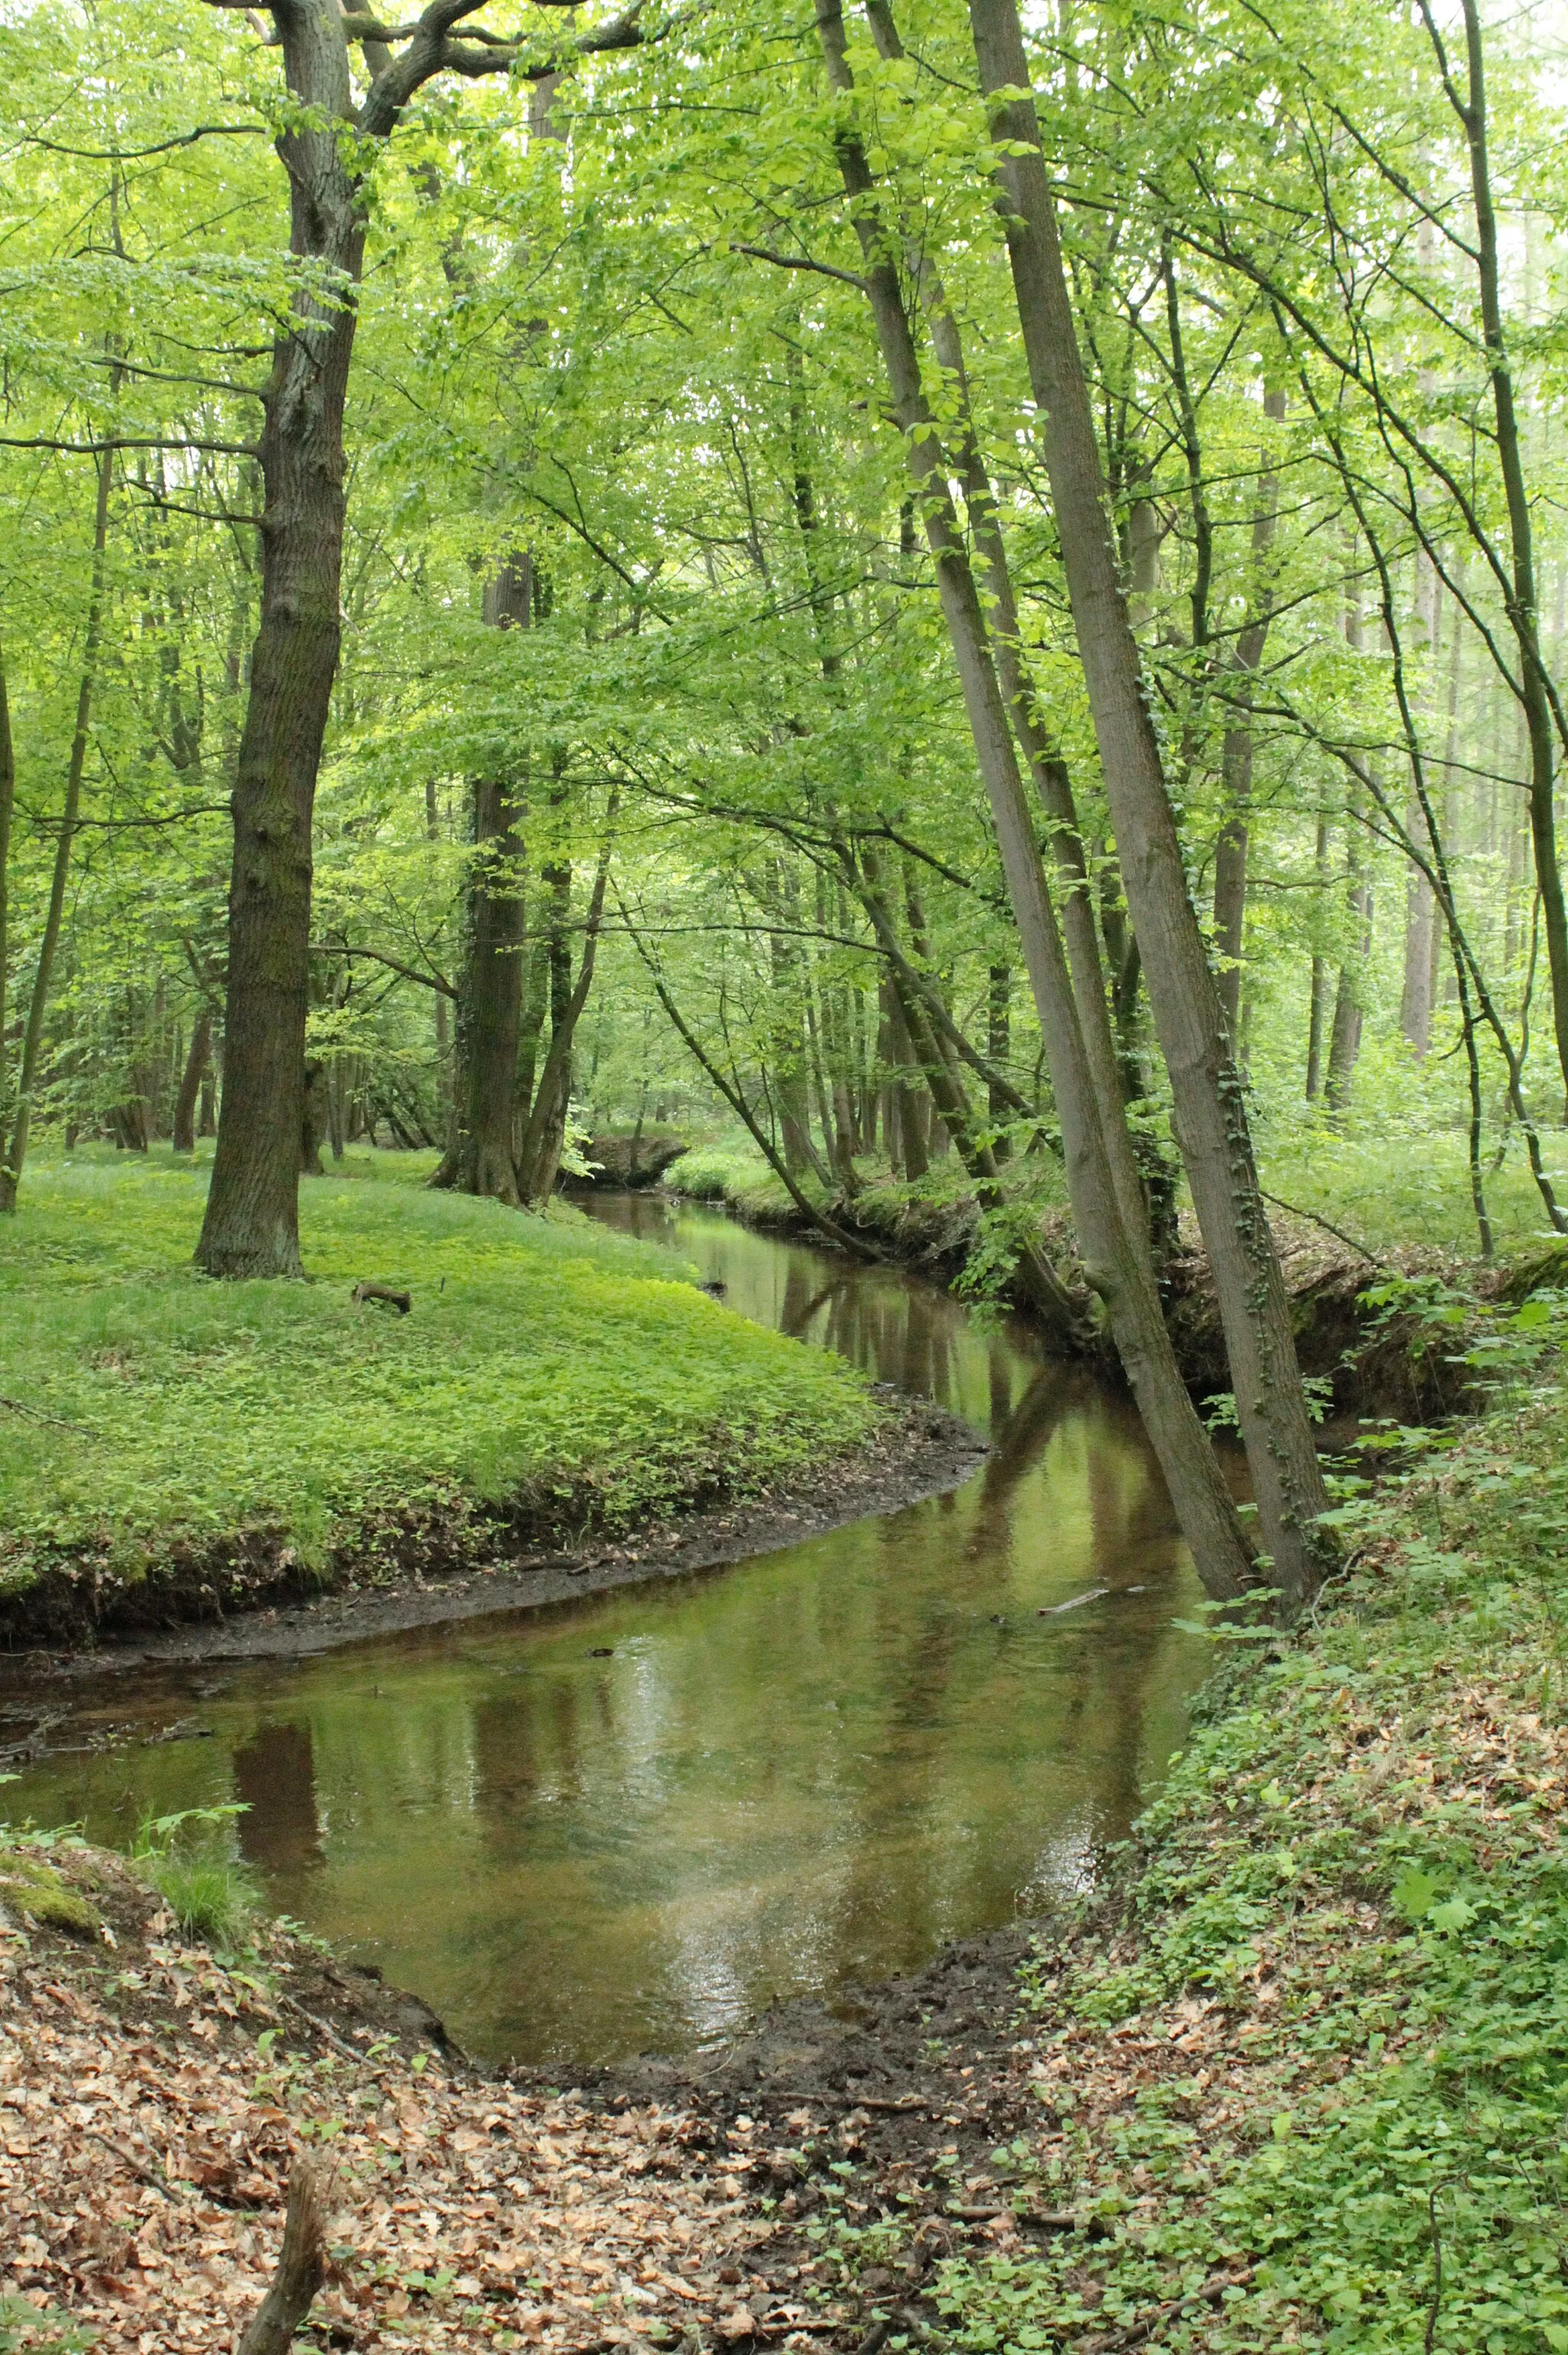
(1302, 2080)
(549, 1374)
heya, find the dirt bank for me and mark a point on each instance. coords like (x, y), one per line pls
(252, 1605)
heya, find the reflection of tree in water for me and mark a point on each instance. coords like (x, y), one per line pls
(274, 1780)
(529, 1740)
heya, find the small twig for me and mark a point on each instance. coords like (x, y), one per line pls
(36, 1415)
(163, 2183)
(322, 2029)
(1326, 1224)
(1436, 2272)
(1174, 2312)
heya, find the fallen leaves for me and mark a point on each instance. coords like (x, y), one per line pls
(142, 2175)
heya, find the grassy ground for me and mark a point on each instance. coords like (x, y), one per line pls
(546, 1361)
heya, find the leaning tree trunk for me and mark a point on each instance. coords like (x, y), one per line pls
(251, 1226)
(1122, 1276)
(1209, 1108)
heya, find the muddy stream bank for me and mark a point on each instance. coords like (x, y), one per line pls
(632, 1820)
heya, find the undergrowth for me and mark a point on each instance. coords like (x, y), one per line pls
(546, 1362)
(1306, 2077)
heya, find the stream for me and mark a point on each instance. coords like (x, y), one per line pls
(628, 1824)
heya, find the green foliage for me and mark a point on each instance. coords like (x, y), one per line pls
(28, 2329)
(186, 1858)
(1369, 1823)
(546, 1366)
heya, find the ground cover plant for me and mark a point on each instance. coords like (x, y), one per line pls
(1304, 2080)
(546, 1365)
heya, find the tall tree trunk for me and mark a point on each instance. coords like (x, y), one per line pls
(32, 1039)
(1543, 725)
(1210, 1107)
(191, 1080)
(7, 809)
(538, 1163)
(998, 1043)
(480, 1157)
(1317, 1015)
(1124, 1278)
(445, 1096)
(1236, 750)
(1345, 1038)
(908, 1143)
(251, 1226)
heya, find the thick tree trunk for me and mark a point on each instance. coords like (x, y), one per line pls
(192, 1081)
(1112, 1259)
(32, 1039)
(1209, 1108)
(251, 1226)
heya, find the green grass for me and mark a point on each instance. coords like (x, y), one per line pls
(545, 1361)
(211, 1897)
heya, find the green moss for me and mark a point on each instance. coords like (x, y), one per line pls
(37, 1893)
(545, 1360)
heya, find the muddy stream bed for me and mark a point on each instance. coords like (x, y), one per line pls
(630, 1822)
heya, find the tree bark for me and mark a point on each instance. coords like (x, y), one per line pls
(480, 1158)
(1345, 1035)
(191, 1080)
(302, 2265)
(32, 1040)
(538, 1163)
(1210, 1107)
(1111, 1261)
(1521, 594)
(1236, 751)
(251, 1226)
(7, 810)
(1317, 1013)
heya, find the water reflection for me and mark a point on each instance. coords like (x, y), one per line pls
(781, 1778)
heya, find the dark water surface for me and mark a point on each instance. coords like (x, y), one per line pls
(787, 1776)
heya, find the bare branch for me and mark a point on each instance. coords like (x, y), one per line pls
(800, 261)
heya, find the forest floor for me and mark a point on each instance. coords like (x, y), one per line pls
(1293, 2075)
(173, 1449)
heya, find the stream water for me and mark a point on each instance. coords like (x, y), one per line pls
(628, 1824)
